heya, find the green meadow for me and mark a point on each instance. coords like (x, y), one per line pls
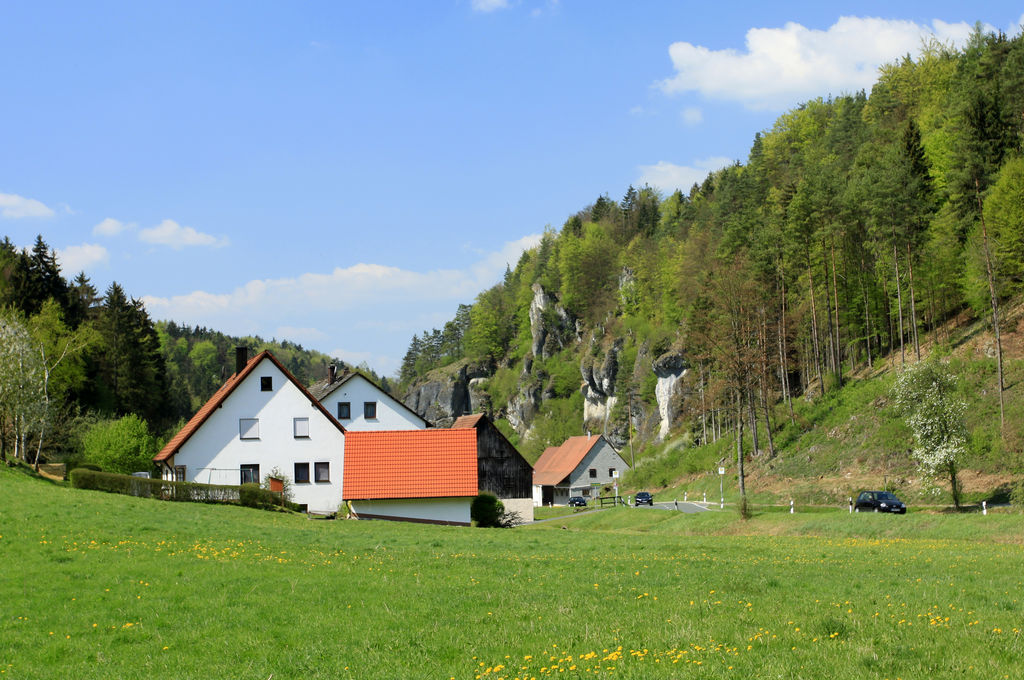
(102, 586)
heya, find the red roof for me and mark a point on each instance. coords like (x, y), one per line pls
(178, 440)
(467, 421)
(410, 464)
(557, 463)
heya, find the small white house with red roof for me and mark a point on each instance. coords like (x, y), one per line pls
(433, 475)
(262, 419)
(581, 466)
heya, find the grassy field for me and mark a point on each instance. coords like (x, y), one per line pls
(102, 586)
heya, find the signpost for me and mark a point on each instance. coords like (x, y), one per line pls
(721, 487)
(615, 481)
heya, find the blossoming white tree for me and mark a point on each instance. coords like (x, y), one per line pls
(926, 395)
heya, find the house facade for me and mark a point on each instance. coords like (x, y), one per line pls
(359, 404)
(581, 466)
(260, 421)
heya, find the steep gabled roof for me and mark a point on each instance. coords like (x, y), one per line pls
(557, 463)
(467, 421)
(207, 409)
(323, 389)
(410, 464)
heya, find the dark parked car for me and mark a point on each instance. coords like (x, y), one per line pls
(879, 501)
(643, 498)
(577, 502)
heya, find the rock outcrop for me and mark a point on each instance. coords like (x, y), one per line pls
(552, 328)
(445, 397)
(669, 368)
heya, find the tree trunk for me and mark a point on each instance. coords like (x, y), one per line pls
(739, 449)
(899, 302)
(995, 306)
(867, 309)
(913, 308)
(814, 326)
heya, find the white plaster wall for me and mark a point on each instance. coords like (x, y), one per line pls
(455, 510)
(538, 495)
(215, 452)
(523, 506)
(391, 415)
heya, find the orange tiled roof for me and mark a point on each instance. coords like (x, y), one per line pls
(557, 463)
(467, 421)
(220, 395)
(410, 464)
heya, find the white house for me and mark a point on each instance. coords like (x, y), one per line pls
(358, 404)
(262, 419)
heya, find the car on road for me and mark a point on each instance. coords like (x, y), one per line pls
(643, 498)
(577, 502)
(879, 501)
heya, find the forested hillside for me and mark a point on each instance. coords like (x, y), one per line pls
(858, 226)
(73, 361)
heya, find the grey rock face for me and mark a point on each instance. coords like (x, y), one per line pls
(551, 326)
(441, 401)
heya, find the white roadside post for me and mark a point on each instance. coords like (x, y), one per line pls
(984, 507)
(705, 496)
(791, 506)
(686, 495)
(721, 488)
(850, 501)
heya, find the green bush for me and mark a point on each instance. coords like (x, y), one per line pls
(254, 496)
(142, 487)
(123, 445)
(486, 510)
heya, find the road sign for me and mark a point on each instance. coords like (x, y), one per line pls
(721, 470)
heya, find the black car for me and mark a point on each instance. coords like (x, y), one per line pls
(577, 502)
(879, 501)
(643, 498)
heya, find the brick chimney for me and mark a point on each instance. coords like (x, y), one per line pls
(332, 373)
(241, 358)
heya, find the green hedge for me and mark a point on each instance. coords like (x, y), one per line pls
(250, 495)
(142, 487)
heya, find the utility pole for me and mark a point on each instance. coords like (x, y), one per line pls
(629, 424)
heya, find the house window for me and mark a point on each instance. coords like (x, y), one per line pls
(370, 410)
(344, 410)
(593, 473)
(266, 384)
(249, 428)
(300, 426)
(179, 473)
(302, 473)
(611, 472)
(250, 474)
(322, 471)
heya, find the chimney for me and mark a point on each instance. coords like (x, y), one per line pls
(241, 358)
(332, 373)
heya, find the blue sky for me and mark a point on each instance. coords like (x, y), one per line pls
(344, 174)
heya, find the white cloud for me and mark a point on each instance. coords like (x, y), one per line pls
(783, 66)
(668, 177)
(692, 115)
(110, 227)
(170, 233)
(358, 304)
(488, 5)
(13, 206)
(74, 259)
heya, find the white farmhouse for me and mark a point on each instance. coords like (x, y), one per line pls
(262, 419)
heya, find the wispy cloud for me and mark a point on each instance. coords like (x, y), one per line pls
(668, 177)
(784, 66)
(111, 227)
(692, 115)
(85, 257)
(170, 233)
(488, 5)
(13, 206)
